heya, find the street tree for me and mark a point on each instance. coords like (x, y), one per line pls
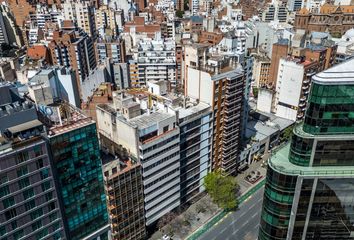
(222, 189)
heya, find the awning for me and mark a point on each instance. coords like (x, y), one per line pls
(24, 126)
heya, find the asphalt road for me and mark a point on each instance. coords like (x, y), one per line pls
(240, 225)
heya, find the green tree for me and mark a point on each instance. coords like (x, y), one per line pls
(255, 92)
(222, 189)
(179, 13)
(287, 133)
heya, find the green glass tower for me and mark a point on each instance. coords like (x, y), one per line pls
(77, 166)
(309, 192)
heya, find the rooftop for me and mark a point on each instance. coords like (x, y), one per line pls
(70, 118)
(147, 120)
(339, 74)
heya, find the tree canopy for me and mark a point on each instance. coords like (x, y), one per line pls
(222, 189)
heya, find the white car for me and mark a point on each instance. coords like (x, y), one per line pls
(166, 237)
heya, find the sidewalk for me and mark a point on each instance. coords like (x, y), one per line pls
(243, 196)
(193, 223)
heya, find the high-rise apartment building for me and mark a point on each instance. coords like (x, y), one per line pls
(124, 191)
(195, 125)
(293, 87)
(194, 7)
(112, 48)
(180, 5)
(77, 165)
(71, 47)
(82, 13)
(274, 11)
(3, 32)
(153, 60)
(152, 139)
(168, 136)
(279, 50)
(219, 83)
(295, 5)
(309, 188)
(29, 204)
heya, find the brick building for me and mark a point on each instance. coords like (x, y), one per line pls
(333, 19)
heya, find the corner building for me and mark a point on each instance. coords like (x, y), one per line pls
(309, 193)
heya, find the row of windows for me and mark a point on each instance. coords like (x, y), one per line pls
(161, 161)
(160, 152)
(160, 144)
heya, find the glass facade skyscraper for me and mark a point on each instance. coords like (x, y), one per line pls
(309, 193)
(77, 165)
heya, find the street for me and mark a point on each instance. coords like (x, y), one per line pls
(240, 225)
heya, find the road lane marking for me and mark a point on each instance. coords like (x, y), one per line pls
(243, 214)
(254, 215)
(256, 226)
(234, 232)
(244, 223)
(223, 230)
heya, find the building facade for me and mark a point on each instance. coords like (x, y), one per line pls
(221, 86)
(29, 204)
(334, 19)
(77, 166)
(308, 191)
(125, 199)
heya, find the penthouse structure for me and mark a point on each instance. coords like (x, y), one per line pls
(29, 203)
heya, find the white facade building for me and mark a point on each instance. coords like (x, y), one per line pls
(154, 60)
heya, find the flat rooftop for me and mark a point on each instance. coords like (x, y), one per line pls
(341, 74)
(147, 120)
(185, 112)
(74, 119)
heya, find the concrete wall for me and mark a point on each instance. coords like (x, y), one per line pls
(264, 102)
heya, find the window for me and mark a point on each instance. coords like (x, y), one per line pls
(8, 202)
(18, 234)
(22, 157)
(28, 193)
(38, 151)
(49, 196)
(36, 214)
(39, 163)
(4, 191)
(51, 206)
(44, 173)
(10, 214)
(14, 225)
(42, 234)
(165, 129)
(29, 205)
(37, 225)
(3, 179)
(53, 217)
(45, 186)
(22, 171)
(23, 183)
(2, 230)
